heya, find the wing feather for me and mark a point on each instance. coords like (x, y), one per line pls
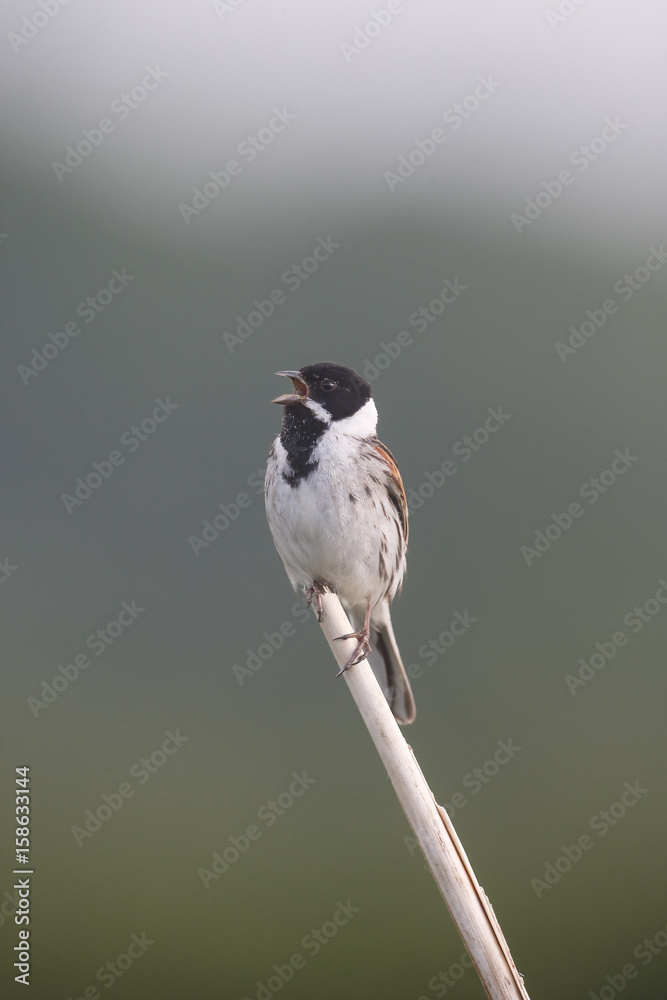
(395, 488)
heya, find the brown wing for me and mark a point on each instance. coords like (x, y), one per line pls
(394, 486)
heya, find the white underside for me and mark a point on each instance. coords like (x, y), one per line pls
(321, 535)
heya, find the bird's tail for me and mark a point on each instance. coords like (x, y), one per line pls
(386, 663)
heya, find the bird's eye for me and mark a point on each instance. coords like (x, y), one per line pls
(328, 385)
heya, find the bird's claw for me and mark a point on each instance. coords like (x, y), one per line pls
(314, 592)
(361, 652)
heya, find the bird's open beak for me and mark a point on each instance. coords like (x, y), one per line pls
(300, 390)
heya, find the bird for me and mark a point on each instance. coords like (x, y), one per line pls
(338, 514)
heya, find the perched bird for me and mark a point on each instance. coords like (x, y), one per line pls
(338, 515)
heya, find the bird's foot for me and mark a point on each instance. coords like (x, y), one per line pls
(314, 593)
(361, 652)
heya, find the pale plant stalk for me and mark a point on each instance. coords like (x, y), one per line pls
(467, 903)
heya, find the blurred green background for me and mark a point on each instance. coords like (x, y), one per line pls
(366, 84)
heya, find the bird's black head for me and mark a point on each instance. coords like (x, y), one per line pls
(336, 388)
